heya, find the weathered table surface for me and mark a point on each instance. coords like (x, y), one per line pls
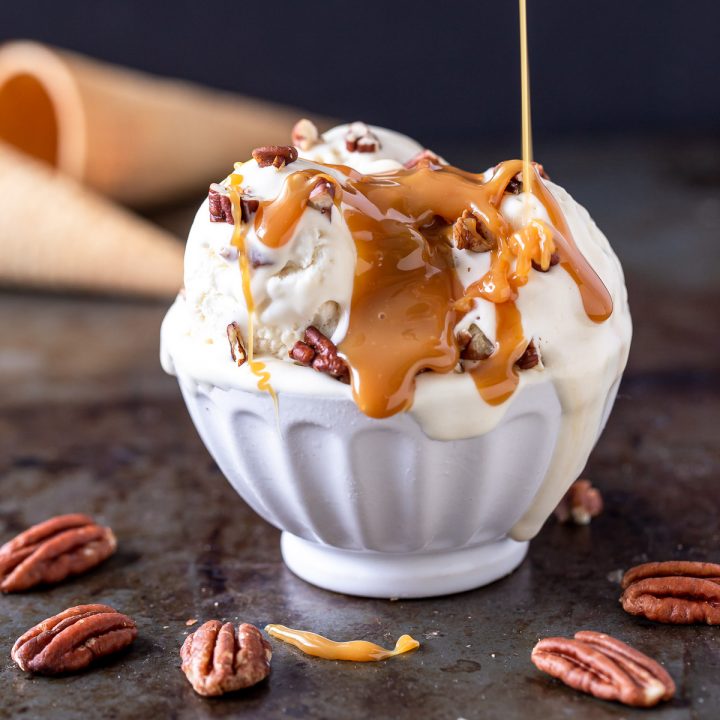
(89, 423)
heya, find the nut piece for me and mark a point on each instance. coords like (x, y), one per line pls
(72, 640)
(554, 260)
(425, 158)
(580, 504)
(321, 354)
(304, 134)
(515, 186)
(474, 344)
(604, 667)
(677, 592)
(322, 197)
(53, 550)
(471, 233)
(220, 205)
(237, 346)
(216, 659)
(275, 155)
(360, 138)
(530, 358)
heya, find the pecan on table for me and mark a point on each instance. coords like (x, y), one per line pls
(74, 639)
(218, 658)
(677, 592)
(604, 667)
(580, 504)
(305, 134)
(53, 550)
(320, 353)
(275, 155)
(471, 233)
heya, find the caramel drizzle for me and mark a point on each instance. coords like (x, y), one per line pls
(407, 297)
(238, 240)
(354, 650)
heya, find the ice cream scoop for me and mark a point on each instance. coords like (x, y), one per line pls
(426, 331)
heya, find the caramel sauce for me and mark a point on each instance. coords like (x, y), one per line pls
(526, 124)
(354, 650)
(238, 240)
(276, 219)
(407, 297)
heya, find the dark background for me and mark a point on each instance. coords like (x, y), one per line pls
(436, 70)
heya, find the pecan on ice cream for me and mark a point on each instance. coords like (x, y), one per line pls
(515, 186)
(604, 667)
(554, 260)
(320, 353)
(73, 639)
(322, 197)
(678, 592)
(305, 134)
(49, 552)
(220, 205)
(275, 155)
(580, 504)
(471, 233)
(473, 344)
(530, 357)
(425, 158)
(360, 138)
(237, 346)
(219, 658)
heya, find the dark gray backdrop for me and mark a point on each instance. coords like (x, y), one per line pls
(437, 70)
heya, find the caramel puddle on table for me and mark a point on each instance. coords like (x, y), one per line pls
(238, 240)
(353, 650)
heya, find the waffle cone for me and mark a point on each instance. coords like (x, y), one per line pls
(134, 137)
(57, 234)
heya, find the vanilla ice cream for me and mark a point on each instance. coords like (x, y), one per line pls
(321, 266)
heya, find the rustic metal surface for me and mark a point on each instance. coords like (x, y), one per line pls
(88, 423)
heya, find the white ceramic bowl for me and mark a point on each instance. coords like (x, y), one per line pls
(375, 507)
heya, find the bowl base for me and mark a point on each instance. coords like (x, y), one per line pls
(401, 575)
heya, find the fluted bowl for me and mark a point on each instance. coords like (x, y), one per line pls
(375, 507)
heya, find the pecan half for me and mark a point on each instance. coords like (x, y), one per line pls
(676, 592)
(237, 346)
(360, 138)
(220, 205)
(322, 197)
(321, 354)
(275, 155)
(471, 233)
(554, 260)
(425, 158)
(580, 504)
(217, 658)
(73, 639)
(474, 344)
(53, 550)
(305, 134)
(530, 358)
(604, 667)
